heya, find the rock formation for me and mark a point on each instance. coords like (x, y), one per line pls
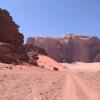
(11, 40)
(69, 48)
(33, 52)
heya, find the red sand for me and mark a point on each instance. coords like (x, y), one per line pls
(49, 63)
(78, 81)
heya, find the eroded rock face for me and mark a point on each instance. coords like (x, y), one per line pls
(97, 58)
(69, 48)
(7, 54)
(11, 40)
(33, 52)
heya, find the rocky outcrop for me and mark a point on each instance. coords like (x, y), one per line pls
(51, 45)
(11, 40)
(37, 50)
(7, 54)
(97, 58)
(33, 52)
(69, 48)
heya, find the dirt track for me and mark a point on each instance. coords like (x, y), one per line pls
(76, 89)
(48, 85)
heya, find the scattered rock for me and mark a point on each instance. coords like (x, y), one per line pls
(56, 69)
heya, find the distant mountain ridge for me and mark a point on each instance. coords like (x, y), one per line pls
(69, 48)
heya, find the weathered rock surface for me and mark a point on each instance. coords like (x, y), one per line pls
(33, 52)
(7, 54)
(11, 40)
(97, 58)
(69, 48)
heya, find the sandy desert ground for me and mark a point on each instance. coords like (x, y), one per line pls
(77, 81)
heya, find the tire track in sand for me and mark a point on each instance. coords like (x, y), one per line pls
(76, 89)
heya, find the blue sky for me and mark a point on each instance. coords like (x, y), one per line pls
(55, 17)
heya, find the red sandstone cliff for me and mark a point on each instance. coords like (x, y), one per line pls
(11, 40)
(69, 48)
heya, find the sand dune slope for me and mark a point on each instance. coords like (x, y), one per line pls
(49, 63)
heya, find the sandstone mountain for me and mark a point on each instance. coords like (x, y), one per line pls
(11, 40)
(69, 48)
